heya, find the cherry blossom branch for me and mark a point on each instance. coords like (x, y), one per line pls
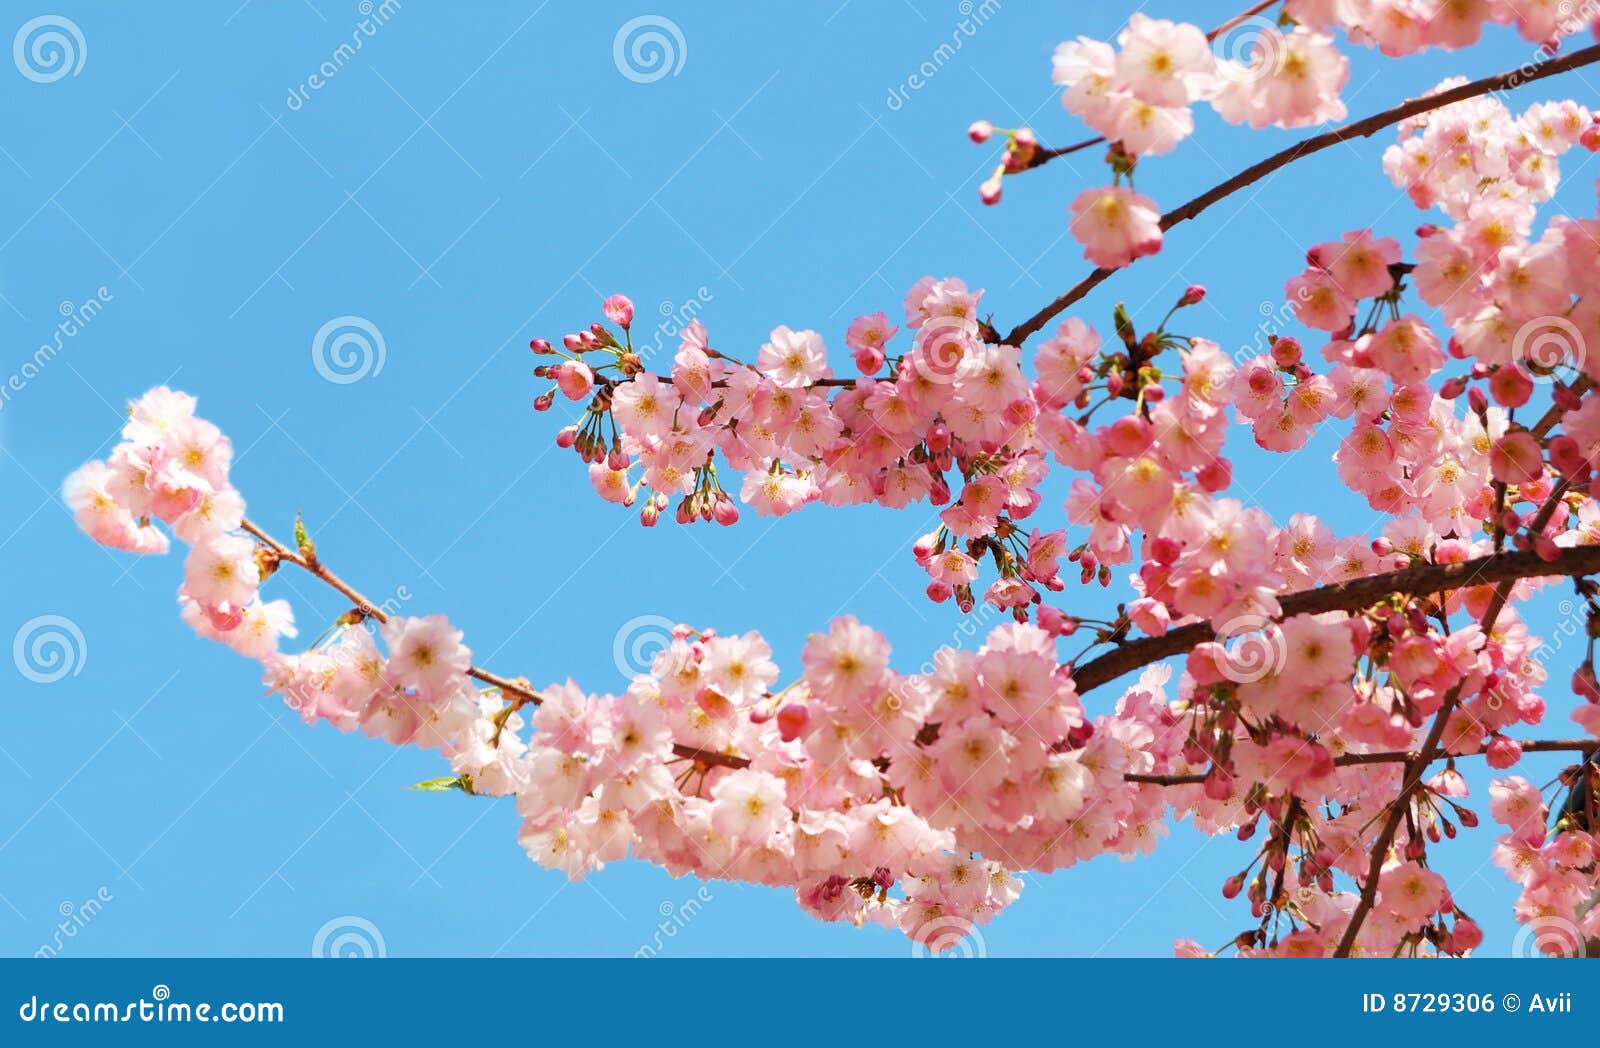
(1412, 777)
(1043, 156)
(518, 692)
(1316, 144)
(1390, 757)
(1352, 595)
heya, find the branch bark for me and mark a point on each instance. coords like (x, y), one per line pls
(1412, 777)
(1391, 757)
(1360, 129)
(1348, 596)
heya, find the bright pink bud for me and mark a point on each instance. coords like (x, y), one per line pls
(543, 401)
(1286, 352)
(223, 617)
(980, 131)
(869, 360)
(989, 191)
(1502, 752)
(567, 436)
(541, 346)
(1193, 295)
(1216, 475)
(792, 721)
(1165, 550)
(725, 512)
(1584, 684)
(1510, 387)
(619, 310)
(1218, 784)
(1567, 457)
(1466, 935)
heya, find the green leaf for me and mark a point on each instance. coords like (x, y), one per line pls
(455, 782)
(1124, 324)
(302, 540)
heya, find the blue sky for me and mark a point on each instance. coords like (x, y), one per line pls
(476, 175)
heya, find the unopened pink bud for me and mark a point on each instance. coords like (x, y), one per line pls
(619, 310)
(1502, 752)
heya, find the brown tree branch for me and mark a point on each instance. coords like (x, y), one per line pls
(1348, 596)
(1360, 129)
(518, 693)
(1430, 746)
(1390, 757)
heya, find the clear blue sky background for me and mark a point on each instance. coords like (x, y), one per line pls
(477, 175)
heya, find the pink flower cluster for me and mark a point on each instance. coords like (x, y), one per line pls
(1403, 27)
(1559, 873)
(1138, 94)
(172, 467)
